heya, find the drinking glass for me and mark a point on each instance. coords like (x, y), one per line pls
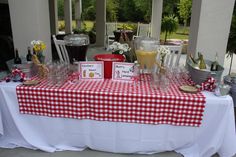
(160, 81)
(164, 83)
(155, 80)
(50, 67)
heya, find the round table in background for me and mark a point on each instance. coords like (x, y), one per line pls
(117, 34)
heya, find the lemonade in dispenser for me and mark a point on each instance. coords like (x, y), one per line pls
(146, 52)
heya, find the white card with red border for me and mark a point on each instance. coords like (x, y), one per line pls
(91, 70)
(122, 71)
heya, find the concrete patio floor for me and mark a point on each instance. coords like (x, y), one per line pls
(23, 152)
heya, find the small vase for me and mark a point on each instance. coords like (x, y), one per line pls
(41, 57)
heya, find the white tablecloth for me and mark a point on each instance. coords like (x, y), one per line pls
(1, 127)
(216, 134)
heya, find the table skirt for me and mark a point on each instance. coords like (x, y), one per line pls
(216, 134)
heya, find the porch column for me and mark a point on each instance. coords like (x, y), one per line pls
(100, 22)
(78, 11)
(156, 18)
(209, 28)
(34, 26)
(53, 16)
(68, 16)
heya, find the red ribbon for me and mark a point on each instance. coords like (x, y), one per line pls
(208, 85)
(14, 73)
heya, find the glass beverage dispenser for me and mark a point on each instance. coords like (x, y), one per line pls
(146, 52)
(77, 45)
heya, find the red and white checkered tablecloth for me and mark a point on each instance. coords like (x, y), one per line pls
(113, 101)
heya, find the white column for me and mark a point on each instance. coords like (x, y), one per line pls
(156, 18)
(100, 22)
(68, 16)
(53, 16)
(78, 11)
(30, 21)
(209, 28)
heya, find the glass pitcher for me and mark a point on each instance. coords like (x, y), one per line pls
(146, 52)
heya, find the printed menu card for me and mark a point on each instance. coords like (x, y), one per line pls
(123, 71)
(91, 70)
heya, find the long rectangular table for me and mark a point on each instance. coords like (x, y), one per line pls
(215, 134)
(113, 101)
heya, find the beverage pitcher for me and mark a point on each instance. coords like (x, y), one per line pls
(146, 52)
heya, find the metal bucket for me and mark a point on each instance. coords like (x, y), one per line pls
(199, 76)
(232, 82)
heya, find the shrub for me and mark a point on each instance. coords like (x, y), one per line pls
(169, 25)
(61, 26)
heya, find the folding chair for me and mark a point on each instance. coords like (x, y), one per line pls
(172, 59)
(110, 27)
(143, 30)
(61, 49)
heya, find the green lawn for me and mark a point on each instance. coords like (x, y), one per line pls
(87, 24)
(181, 33)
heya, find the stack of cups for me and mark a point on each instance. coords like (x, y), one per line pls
(58, 73)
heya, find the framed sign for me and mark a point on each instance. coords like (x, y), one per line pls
(123, 71)
(92, 70)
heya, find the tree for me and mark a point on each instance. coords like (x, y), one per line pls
(88, 10)
(87, 3)
(60, 7)
(112, 10)
(143, 10)
(169, 25)
(127, 11)
(170, 7)
(185, 8)
(89, 13)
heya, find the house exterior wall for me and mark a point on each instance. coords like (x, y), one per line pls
(30, 21)
(100, 22)
(157, 6)
(68, 16)
(209, 28)
(53, 16)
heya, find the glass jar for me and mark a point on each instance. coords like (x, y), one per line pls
(77, 45)
(146, 52)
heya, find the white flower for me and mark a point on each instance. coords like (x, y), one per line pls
(112, 47)
(33, 42)
(120, 47)
(126, 47)
(164, 51)
(36, 42)
(115, 43)
(115, 46)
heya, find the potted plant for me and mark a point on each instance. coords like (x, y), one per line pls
(169, 25)
(91, 33)
(125, 30)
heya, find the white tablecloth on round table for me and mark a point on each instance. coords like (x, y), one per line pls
(216, 134)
